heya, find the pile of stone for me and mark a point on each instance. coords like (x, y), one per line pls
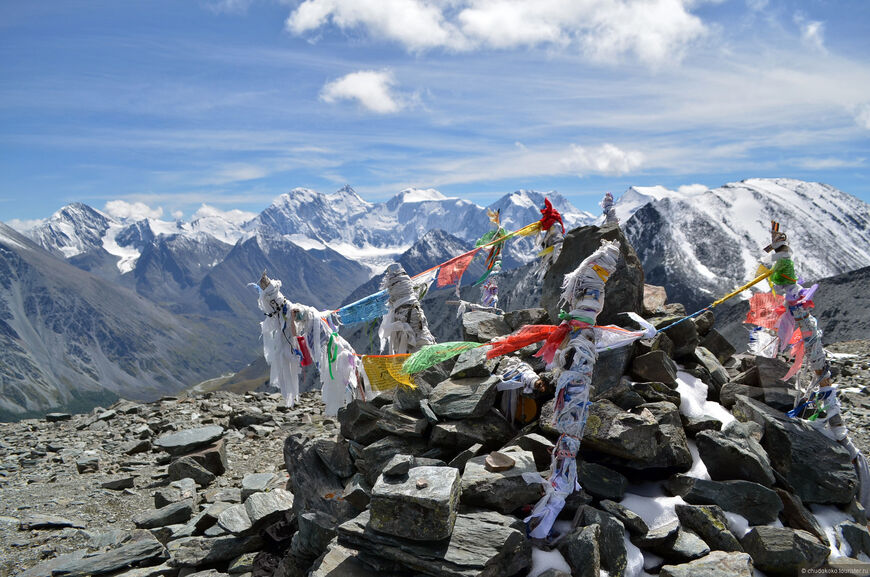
(435, 480)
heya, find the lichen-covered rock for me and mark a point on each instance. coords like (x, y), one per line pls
(783, 551)
(420, 506)
(755, 502)
(716, 564)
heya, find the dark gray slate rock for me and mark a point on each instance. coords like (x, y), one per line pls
(718, 374)
(621, 394)
(694, 425)
(554, 573)
(783, 551)
(600, 481)
(656, 392)
(197, 551)
(408, 399)
(655, 366)
(523, 317)
(38, 521)
(234, 519)
(460, 460)
(817, 468)
(398, 466)
(265, 508)
(714, 342)
(503, 491)
(315, 533)
(186, 467)
(730, 456)
(213, 457)
(709, 523)
(176, 491)
(624, 289)
(658, 537)
(716, 564)
(120, 483)
(491, 431)
(684, 335)
(359, 422)
(188, 440)
(472, 397)
(340, 561)
(728, 393)
(396, 422)
(472, 363)
(704, 322)
(686, 547)
(169, 515)
(136, 447)
(755, 502)
(358, 492)
(651, 436)
(482, 326)
(541, 447)
(610, 366)
(483, 544)
(258, 482)
(335, 454)
(311, 480)
(144, 548)
(57, 417)
(631, 520)
(856, 536)
(611, 543)
(580, 550)
(420, 506)
(796, 516)
(378, 454)
(89, 462)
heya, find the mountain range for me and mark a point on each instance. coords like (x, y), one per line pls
(195, 316)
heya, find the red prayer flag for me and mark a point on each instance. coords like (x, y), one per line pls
(451, 271)
(528, 335)
(765, 310)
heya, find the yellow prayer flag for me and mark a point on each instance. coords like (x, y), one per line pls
(385, 372)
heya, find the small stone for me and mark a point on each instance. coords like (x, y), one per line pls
(136, 447)
(37, 521)
(422, 484)
(119, 484)
(185, 467)
(497, 461)
(358, 492)
(89, 462)
(57, 417)
(256, 483)
(399, 465)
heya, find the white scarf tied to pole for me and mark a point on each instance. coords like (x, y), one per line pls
(583, 290)
(404, 328)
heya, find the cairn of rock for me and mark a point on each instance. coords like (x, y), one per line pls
(437, 482)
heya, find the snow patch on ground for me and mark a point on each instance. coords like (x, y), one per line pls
(699, 469)
(544, 560)
(650, 503)
(829, 517)
(694, 402)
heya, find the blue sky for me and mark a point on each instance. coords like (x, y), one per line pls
(232, 102)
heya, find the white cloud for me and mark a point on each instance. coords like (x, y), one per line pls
(828, 163)
(178, 215)
(652, 31)
(25, 225)
(373, 89)
(229, 6)
(813, 34)
(132, 210)
(862, 116)
(692, 189)
(234, 216)
(238, 173)
(756, 5)
(605, 159)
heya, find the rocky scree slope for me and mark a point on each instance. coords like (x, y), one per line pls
(688, 467)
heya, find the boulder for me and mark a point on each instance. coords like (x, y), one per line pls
(358, 492)
(359, 422)
(340, 561)
(580, 550)
(483, 327)
(653, 392)
(89, 462)
(540, 446)
(144, 548)
(718, 374)
(491, 431)
(503, 491)
(797, 516)
(817, 468)
(731, 456)
(684, 334)
(522, 317)
(420, 506)
(624, 288)
(396, 422)
(235, 520)
(630, 520)
(655, 366)
(600, 481)
(610, 367)
(185, 441)
(483, 544)
(257, 482)
(783, 551)
(611, 542)
(654, 299)
(176, 491)
(212, 458)
(717, 344)
(472, 363)
(756, 502)
(710, 524)
(651, 436)
(376, 456)
(197, 551)
(188, 468)
(169, 515)
(716, 564)
(471, 397)
(856, 536)
(311, 481)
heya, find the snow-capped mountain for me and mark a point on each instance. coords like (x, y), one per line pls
(72, 230)
(702, 245)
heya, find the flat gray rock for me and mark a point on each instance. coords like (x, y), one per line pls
(140, 550)
(503, 491)
(484, 544)
(187, 440)
(196, 551)
(756, 502)
(37, 521)
(172, 514)
(235, 519)
(256, 482)
(783, 551)
(716, 564)
(263, 508)
(420, 506)
(464, 398)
